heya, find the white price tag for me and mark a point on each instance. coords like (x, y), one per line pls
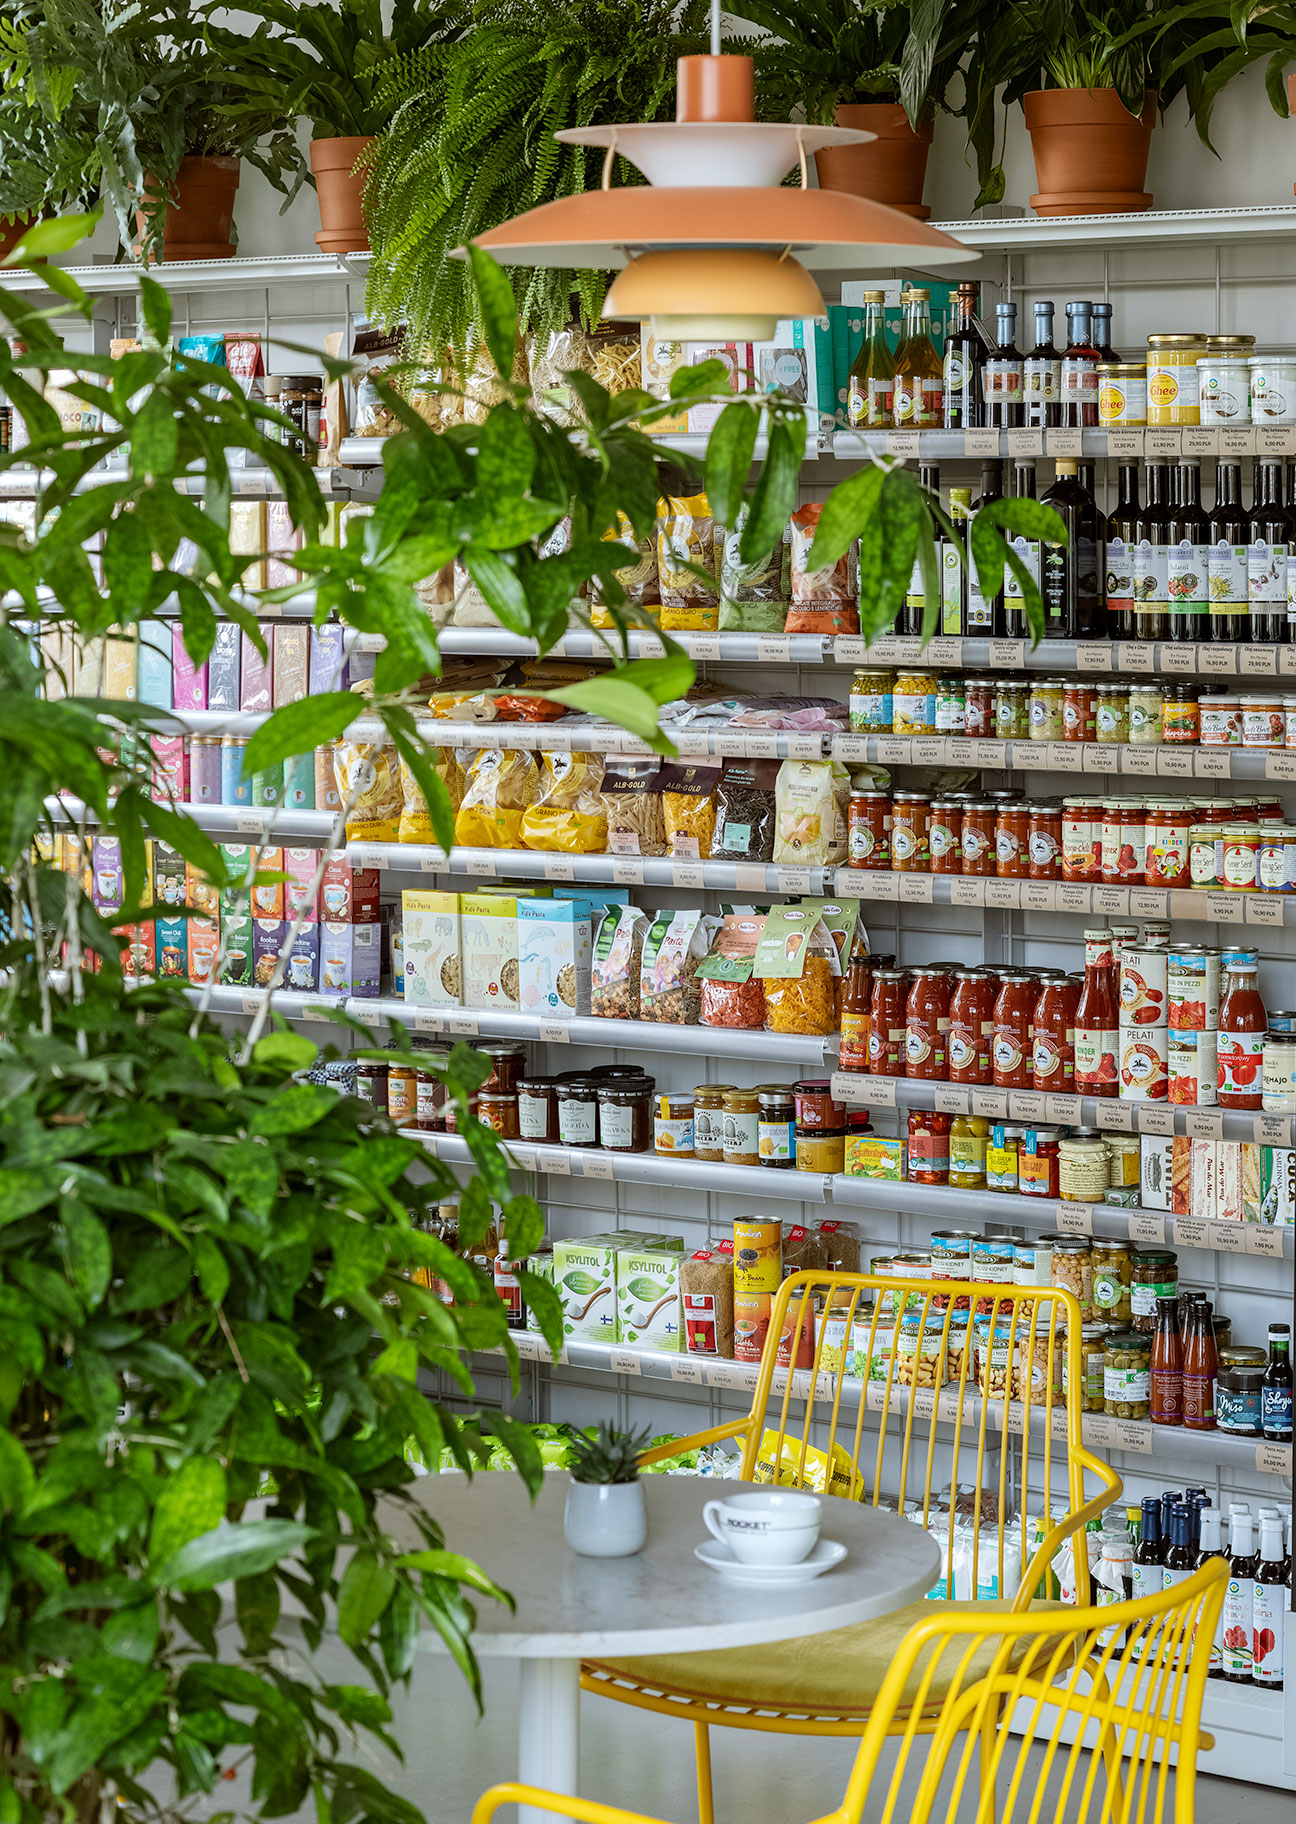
(1140, 761)
(688, 874)
(1008, 653)
(1154, 1120)
(593, 1167)
(902, 443)
(1101, 759)
(1192, 1232)
(463, 1025)
(528, 1344)
(1075, 1218)
(945, 651)
(1225, 908)
(1114, 902)
(1025, 443)
(1198, 440)
(1065, 1111)
(776, 648)
(554, 1032)
(725, 1374)
(1273, 1130)
(951, 1101)
(749, 877)
(523, 1157)
(980, 443)
(875, 1092)
(1100, 1429)
(1006, 894)
(1265, 909)
(1280, 766)
(625, 1361)
(1274, 1459)
(1204, 1125)
(848, 649)
(1149, 902)
(1175, 763)
(367, 1016)
(558, 869)
(627, 873)
(1134, 1437)
(432, 864)
(1038, 896)
(1228, 1237)
(1027, 1105)
(930, 750)
(1147, 1228)
(1258, 661)
(481, 865)
(1160, 441)
(916, 889)
(251, 1003)
(1071, 898)
(794, 880)
(990, 1104)
(1135, 655)
(1125, 443)
(248, 825)
(689, 1369)
(1093, 655)
(1209, 765)
(924, 1403)
(1058, 1426)
(967, 892)
(851, 750)
(703, 646)
(1263, 1238)
(557, 1161)
(1117, 1116)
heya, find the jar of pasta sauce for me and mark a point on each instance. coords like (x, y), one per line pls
(1240, 867)
(927, 1020)
(1078, 710)
(886, 1041)
(978, 838)
(945, 835)
(1012, 712)
(910, 820)
(1111, 713)
(869, 834)
(1012, 842)
(1014, 1013)
(1180, 715)
(1044, 841)
(1169, 826)
(1124, 842)
(1053, 1037)
(1046, 709)
(1264, 722)
(979, 708)
(1289, 721)
(1221, 721)
(971, 1027)
(1082, 826)
(1267, 810)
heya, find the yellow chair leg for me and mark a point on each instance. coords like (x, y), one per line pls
(706, 1796)
(988, 1808)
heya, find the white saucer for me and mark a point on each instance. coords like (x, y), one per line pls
(718, 1557)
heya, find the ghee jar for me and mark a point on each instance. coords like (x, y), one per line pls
(1122, 392)
(1172, 384)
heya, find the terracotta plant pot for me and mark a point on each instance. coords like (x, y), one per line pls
(11, 235)
(199, 221)
(891, 169)
(1091, 153)
(340, 189)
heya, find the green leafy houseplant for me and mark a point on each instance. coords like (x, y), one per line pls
(816, 58)
(1204, 47)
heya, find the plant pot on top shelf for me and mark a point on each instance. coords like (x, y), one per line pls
(199, 221)
(340, 189)
(1091, 153)
(891, 169)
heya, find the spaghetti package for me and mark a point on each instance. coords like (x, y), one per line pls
(754, 597)
(500, 784)
(823, 601)
(568, 816)
(686, 536)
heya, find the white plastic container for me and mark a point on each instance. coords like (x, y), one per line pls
(1224, 385)
(1273, 389)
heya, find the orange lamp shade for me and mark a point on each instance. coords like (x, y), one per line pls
(738, 293)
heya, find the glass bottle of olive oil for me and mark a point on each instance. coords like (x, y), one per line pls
(870, 388)
(919, 399)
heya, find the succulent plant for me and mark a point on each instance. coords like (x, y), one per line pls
(609, 1456)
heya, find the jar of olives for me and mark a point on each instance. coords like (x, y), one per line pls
(1112, 1277)
(1127, 1374)
(1093, 1362)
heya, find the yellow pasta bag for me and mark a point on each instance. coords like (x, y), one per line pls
(416, 823)
(686, 535)
(817, 1471)
(499, 785)
(568, 817)
(368, 778)
(639, 580)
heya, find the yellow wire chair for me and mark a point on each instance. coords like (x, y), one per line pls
(877, 1436)
(1105, 1706)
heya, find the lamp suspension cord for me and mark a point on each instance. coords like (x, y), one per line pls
(715, 28)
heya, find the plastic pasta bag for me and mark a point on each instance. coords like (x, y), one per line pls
(618, 952)
(823, 601)
(638, 579)
(813, 804)
(732, 995)
(415, 822)
(632, 803)
(672, 951)
(745, 811)
(499, 786)
(368, 778)
(568, 816)
(686, 535)
(796, 959)
(688, 807)
(754, 597)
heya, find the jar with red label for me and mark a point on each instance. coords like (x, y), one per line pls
(1124, 842)
(910, 819)
(1037, 1162)
(927, 1019)
(1012, 842)
(886, 1039)
(869, 837)
(928, 1147)
(1169, 826)
(815, 1106)
(971, 1027)
(1243, 1024)
(945, 835)
(1082, 827)
(1240, 865)
(1014, 1013)
(978, 839)
(1044, 842)
(1053, 1037)
(1268, 810)
(1078, 711)
(1264, 721)
(979, 709)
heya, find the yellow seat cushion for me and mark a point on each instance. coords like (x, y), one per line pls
(837, 1674)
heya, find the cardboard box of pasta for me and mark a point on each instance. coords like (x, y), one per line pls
(554, 951)
(488, 949)
(431, 948)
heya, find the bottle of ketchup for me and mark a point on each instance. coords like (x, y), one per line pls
(857, 998)
(1242, 1027)
(1097, 1021)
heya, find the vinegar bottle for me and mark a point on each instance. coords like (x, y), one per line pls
(857, 995)
(1178, 1564)
(1242, 1026)
(1228, 535)
(1212, 1546)
(1269, 1607)
(1097, 1033)
(1276, 1393)
(1149, 1555)
(1239, 1601)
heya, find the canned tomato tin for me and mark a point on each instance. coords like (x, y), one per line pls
(1122, 392)
(1193, 988)
(1192, 1069)
(1144, 987)
(1277, 859)
(1221, 722)
(1144, 1063)
(1241, 859)
(1172, 378)
(1205, 855)
(1082, 827)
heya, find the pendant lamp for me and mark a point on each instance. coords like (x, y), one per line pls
(714, 246)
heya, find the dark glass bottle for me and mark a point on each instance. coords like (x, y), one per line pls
(1042, 373)
(1228, 536)
(1178, 1563)
(1187, 580)
(1001, 383)
(1211, 1545)
(982, 618)
(966, 350)
(1119, 566)
(1270, 532)
(915, 602)
(1149, 558)
(1269, 1607)
(1028, 551)
(1079, 369)
(1069, 573)
(1276, 1393)
(1149, 1553)
(1102, 322)
(1200, 1362)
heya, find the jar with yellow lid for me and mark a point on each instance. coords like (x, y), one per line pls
(914, 703)
(1173, 396)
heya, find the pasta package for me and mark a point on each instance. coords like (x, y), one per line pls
(794, 1464)
(499, 785)
(732, 995)
(415, 822)
(632, 804)
(568, 817)
(618, 953)
(686, 536)
(812, 806)
(754, 597)
(673, 949)
(827, 600)
(638, 579)
(745, 811)
(368, 778)
(796, 959)
(688, 807)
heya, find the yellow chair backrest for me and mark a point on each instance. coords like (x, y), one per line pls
(924, 1392)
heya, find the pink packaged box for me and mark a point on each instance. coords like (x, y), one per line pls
(257, 673)
(299, 889)
(188, 681)
(170, 769)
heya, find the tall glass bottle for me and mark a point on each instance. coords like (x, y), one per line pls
(1097, 1021)
(1101, 332)
(1228, 536)
(1276, 1393)
(855, 1006)
(915, 602)
(966, 349)
(1178, 1564)
(869, 389)
(953, 576)
(1270, 537)
(1002, 378)
(1028, 551)
(918, 400)
(1239, 1600)
(1187, 581)
(1070, 573)
(1167, 1365)
(1042, 373)
(1151, 559)
(1119, 567)
(1079, 381)
(1149, 1556)
(982, 617)
(1211, 1545)
(1269, 1607)
(1200, 1363)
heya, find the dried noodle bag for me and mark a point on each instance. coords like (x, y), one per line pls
(797, 960)
(632, 803)
(568, 816)
(639, 579)
(369, 773)
(823, 601)
(609, 356)
(686, 535)
(732, 995)
(618, 952)
(754, 597)
(745, 811)
(688, 807)
(499, 786)
(415, 823)
(482, 388)
(812, 808)
(672, 954)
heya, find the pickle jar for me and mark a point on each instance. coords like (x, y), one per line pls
(1112, 1280)
(1093, 1351)
(1154, 1274)
(1012, 712)
(1127, 1374)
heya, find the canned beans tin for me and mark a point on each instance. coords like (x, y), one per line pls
(951, 1253)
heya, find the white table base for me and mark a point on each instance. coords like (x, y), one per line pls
(548, 1730)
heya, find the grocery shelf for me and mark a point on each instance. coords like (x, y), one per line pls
(1272, 910)
(1126, 444)
(755, 1181)
(1208, 658)
(612, 870)
(581, 643)
(253, 271)
(1095, 759)
(882, 1093)
(25, 482)
(1008, 234)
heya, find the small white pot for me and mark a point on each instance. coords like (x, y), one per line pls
(605, 1519)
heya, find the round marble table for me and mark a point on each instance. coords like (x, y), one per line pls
(662, 1600)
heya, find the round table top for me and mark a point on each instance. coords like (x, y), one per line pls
(663, 1599)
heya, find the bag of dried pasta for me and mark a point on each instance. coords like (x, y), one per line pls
(368, 779)
(827, 600)
(568, 816)
(638, 579)
(796, 959)
(415, 823)
(499, 786)
(686, 536)
(812, 806)
(688, 789)
(753, 597)
(632, 803)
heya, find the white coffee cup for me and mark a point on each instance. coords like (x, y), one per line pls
(775, 1527)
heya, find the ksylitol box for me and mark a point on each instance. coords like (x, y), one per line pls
(430, 946)
(554, 952)
(585, 1279)
(648, 1297)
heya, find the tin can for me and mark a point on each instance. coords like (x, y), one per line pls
(236, 788)
(1143, 987)
(1192, 1069)
(205, 769)
(1193, 988)
(1144, 1063)
(992, 1257)
(1033, 1263)
(951, 1253)
(758, 1256)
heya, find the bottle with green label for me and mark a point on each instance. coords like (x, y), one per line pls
(953, 581)
(915, 603)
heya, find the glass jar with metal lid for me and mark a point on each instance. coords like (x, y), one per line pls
(741, 1127)
(1154, 1274)
(708, 1120)
(1073, 1269)
(498, 1109)
(578, 1110)
(1012, 711)
(871, 700)
(1046, 709)
(1239, 1383)
(1111, 712)
(913, 703)
(1122, 393)
(776, 1125)
(1180, 715)
(951, 705)
(1083, 1166)
(625, 1116)
(1113, 1273)
(538, 1109)
(672, 1121)
(1127, 1374)
(508, 1067)
(910, 846)
(1146, 705)
(1093, 1348)
(1172, 378)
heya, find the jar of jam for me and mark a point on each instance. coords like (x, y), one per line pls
(538, 1109)
(979, 708)
(1124, 842)
(910, 821)
(971, 1027)
(708, 1120)
(1012, 712)
(1079, 705)
(815, 1106)
(776, 1125)
(741, 1127)
(371, 1082)
(978, 838)
(1154, 1274)
(430, 1103)
(1012, 841)
(578, 1110)
(626, 1116)
(1111, 713)
(1046, 709)
(1053, 1038)
(1145, 700)
(508, 1067)
(1044, 841)
(927, 1025)
(402, 1095)
(944, 835)
(673, 1132)
(929, 1150)
(914, 704)
(1169, 827)
(1014, 1013)
(1082, 830)
(1037, 1162)
(500, 1111)
(1180, 715)
(869, 837)
(950, 706)
(887, 1023)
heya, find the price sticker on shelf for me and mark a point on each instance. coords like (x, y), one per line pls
(945, 651)
(367, 1016)
(1063, 756)
(875, 1396)
(1225, 908)
(1117, 1116)
(601, 1169)
(647, 646)
(992, 754)
(1100, 759)
(851, 750)
(554, 1032)
(774, 648)
(980, 443)
(625, 1361)
(990, 1104)
(1065, 1111)
(248, 825)
(1058, 1426)
(902, 443)
(1038, 896)
(1264, 909)
(960, 750)
(1207, 765)
(1274, 1459)
(924, 1403)
(1219, 661)
(794, 880)
(1093, 655)
(1026, 1105)
(1113, 902)
(749, 877)
(463, 1026)
(1071, 898)
(1180, 658)
(1236, 441)
(1198, 440)
(1026, 443)
(1258, 661)
(951, 1101)
(795, 747)
(1149, 902)
(1192, 1232)
(628, 873)
(967, 893)
(1228, 1237)
(1160, 441)
(1280, 766)
(558, 868)
(726, 1374)
(1007, 653)
(481, 865)
(893, 750)
(1098, 1428)
(930, 750)
(523, 1156)
(876, 1092)
(705, 647)
(898, 649)
(251, 1003)
(850, 649)
(1005, 894)
(1173, 763)
(687, 1369)
(874, 884)
(314, 1010)
(1273, 1130)
(1132, 1436)
(1075, 1218)
(1147, 1228)
(1275, 440)
(1125, 443)
(1136, 655)
(688, 874)
(1141, 762)
(948, 1406)
(432, 864)
(429, 1022)
(556, 1161)
(1203, 1124)
(529, 1345)
(1264, 1239)
(1065, 443)
(1153, 1120)
(916, 889)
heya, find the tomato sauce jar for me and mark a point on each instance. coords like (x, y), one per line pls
(979, 709)
(1169, 828)
(886, 1039)
(1082, 829)
(971, 1027)
(1012, 842)
(1079, 711)
(910, 821)
(927, 1021)
(1014, 1012)
(1124, 842)
(978, 838)
(1053, 1037)
(945, 835)
(869, 830)
(1044, 841)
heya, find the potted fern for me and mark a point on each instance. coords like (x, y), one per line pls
(604, 1516)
